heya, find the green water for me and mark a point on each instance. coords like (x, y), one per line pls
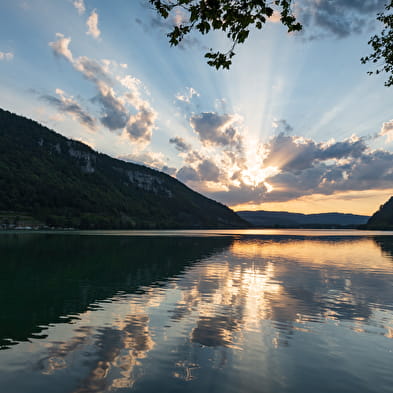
(201, 311)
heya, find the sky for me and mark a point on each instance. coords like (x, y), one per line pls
(296, 124)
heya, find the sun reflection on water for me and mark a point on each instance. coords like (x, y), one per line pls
(253, 300)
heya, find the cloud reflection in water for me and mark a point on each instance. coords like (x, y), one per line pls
(239, 318)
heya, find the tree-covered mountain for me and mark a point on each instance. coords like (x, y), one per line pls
(382, 218)
(63, 182)
(269, 219)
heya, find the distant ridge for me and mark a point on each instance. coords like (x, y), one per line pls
(271, 219)
(382, 218)
(59, 182)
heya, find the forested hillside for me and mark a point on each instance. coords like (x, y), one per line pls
(383, 218)
(64, 183)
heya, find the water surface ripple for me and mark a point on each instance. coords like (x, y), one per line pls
(214, 312)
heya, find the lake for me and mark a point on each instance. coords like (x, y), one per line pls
(196, 311)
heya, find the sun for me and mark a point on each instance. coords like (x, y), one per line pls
(255, 175)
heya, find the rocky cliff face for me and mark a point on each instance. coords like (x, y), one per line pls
(63, 182)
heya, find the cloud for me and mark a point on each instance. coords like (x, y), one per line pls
(200, 168)
(180, 144)
(276, 17)
(24, 5)
(289, 167)
(114, 113)
(282, 126)
(353, 147)
(115, 116)
(387, 130)
(208, 171)
(80, 6)
(140, 126)
(291, 153)
(215, 129)
(371, 171)
(176, 17)
(325, 168)
(284, 168)
(169, 170)
(133, 85)
(336, 17)
(218, 162)
(237, 194)
(187, 174)
(69, 106)
(187, 95)
(60, 47)
(193, 157)
(151, 159)
(179, 17)
(94, 71)
(7, 56)
(92, 25)
(115, 93)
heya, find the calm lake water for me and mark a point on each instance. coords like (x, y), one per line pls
(196, 311)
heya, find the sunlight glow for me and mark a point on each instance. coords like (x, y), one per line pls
(255, 175)
(274, 87)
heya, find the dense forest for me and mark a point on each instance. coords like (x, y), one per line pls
(59, 182)
(382, 218)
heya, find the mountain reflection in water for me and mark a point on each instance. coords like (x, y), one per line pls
(233, 314)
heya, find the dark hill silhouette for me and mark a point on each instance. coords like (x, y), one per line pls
(383, 218)
(64, 183)
(269, 219)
